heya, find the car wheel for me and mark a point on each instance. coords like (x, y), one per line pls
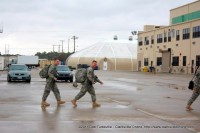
(71, 80)
(28, 81)
(8, 79)
(66, 80)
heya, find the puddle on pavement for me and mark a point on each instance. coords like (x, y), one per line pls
(117, 104)
(173, 86)
(126, 80)
(177, 87)
(16, 99)
(121, 106)
(123, 86)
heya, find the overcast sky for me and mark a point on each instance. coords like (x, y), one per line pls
(32, 26)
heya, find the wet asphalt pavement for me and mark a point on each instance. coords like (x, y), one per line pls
(130, 102)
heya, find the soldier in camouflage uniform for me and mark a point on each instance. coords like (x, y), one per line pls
(87, 86)
(51, 85)
(196, 91)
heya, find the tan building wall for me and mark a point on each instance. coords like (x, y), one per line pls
(188, 47)
(185, 9)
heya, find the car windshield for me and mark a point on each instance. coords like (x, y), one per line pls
(18, 67)
(62, 68)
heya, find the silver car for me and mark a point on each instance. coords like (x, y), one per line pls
(18, 72)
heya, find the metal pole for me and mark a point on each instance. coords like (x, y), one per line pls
(68, 45)
(74, 45)
(74, 37)
(62, 44)
(5, 49)
(59, 48)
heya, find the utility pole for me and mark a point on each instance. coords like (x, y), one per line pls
(62, 45)
(53, 47)
(1, 30)
(5, 49)
(74, 37)
(58, 48)
(7, 54)
(68, 44)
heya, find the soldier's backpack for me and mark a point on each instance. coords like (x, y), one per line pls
(44, 72)
(80, 75)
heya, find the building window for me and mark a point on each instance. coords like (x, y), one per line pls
(165, 37)
(152, 39)
(177, 35)
(159, 38)
(146, 40)
(197, 60)
(140, 41)
(175, 61)
(186, 33)
(146, 62)
(196, 32)
(159, 61)
(169, 36)
(184, 60)
(173, 33)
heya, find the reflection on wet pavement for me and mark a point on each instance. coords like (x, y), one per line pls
(130, 102)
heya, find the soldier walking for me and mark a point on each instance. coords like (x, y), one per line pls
(196, 91)
(51, 85)
(87, 86)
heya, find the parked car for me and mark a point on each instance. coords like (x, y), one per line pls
(18, 72)
(64, 73)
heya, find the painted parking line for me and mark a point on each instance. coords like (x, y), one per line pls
(170, 119)
(116, 101)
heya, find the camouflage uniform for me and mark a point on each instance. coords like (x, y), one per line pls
(197, 87)
(51, 84)
(87, 86)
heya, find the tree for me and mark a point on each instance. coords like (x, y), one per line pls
(51, 55)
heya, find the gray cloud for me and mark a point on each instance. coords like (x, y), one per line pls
(38, 24)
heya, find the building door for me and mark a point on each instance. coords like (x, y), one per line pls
(139, 65)
(105, 66)
(192, 67)
(151, 63)
(166, 61)
(197, 60)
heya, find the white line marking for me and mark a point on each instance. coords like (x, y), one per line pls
(165, 119)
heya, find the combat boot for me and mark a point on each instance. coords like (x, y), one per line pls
(188, 108)
(44, 104)
(59, 102)
(95, 104)
(74, 103)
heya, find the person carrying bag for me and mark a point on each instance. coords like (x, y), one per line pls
(195, 86)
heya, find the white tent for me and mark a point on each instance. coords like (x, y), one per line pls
(110, 55)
